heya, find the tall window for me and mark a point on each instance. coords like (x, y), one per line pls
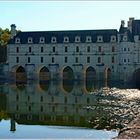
(77, 48)
(17, 50)
(30, 49)
(29, 60)
(52, 59)
(66, 49)
(99, 59)
(113, 59)
(42, 49)
(88, 48)
(53, 48)
(17, 59)
(113, 49)
(66, 59)
(88, 59)
(76, 59)
(41, 59)
(99, 49)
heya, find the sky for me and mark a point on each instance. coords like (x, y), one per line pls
(66, 15)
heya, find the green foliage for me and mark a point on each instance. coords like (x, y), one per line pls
(4, 36)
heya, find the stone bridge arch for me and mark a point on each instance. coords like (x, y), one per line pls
(19, 73)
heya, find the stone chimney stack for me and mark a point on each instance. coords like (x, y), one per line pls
(129, 24)
(13, 30)
(122, 23)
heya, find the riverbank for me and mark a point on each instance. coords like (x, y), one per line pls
(115, 108)
(131, 131)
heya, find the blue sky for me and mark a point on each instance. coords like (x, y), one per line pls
(67, 15)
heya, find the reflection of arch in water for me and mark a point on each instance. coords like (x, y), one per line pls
(44, 75)
(68, 79)
(20, 74)
(107, 77)
(90, 79)
(136, 77)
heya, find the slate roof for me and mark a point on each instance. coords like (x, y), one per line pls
(136, 27)
(61, 34)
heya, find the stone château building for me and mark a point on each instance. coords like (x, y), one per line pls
(101, 55)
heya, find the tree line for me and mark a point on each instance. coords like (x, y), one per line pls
(4, 36)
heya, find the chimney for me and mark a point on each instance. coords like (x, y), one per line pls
(122, 23)
(13, 30)
(129, 24)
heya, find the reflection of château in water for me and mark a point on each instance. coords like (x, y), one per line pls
(32, 104)
(101, 55)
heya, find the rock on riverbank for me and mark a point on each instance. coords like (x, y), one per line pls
(131, 131)
(115, 108)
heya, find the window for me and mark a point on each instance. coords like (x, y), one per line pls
(88, 100)
(30, 40)
(128, 60)
(66, 39)
(125, 38)
(88, 48)
(66, 49)
(113, 59)
(77, 48)
(124, 49)
(52, 59)
(17, 40)
(99, 59)
(53, 40)
(88, 59)
(41, 99)
(76, 59)
(113, 38)
(28, 98)
(42, 39)
(76, 100)
(88, 39)
(42, 49)
(17, 59)
(29, 108)
(41, 59)
(66, 59)
(128, 49)
(99, 39)
(99, 49)
(113, 49)
(124, 60)
(53, 49)
(41, 108)
(77, 39)
(30, 49)
(29, 60)
(17, 50)
(65, 100)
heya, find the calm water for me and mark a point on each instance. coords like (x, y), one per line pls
(49, 131)
(49, 111)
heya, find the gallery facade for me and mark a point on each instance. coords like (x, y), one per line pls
(100, 55)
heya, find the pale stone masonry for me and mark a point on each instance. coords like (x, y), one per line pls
(112, 54)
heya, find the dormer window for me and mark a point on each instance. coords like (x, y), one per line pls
(30, 40)
(113, 38)
(66, 39)
(53, 40)
(77, 39)
(99, 39)
(42, 39)
(17, 40)
(124, 38)
(88, 39)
